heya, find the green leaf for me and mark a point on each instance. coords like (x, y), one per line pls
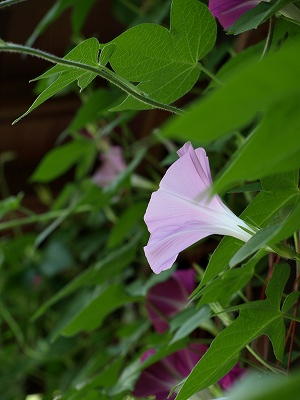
(52, 14)
(86, 52)
(289, 225)
(164, 62)
(265, 146)
(109, 267)
(60, 159)
(252, 322)
(126, 224)
(92, 314)
(9, 204)
(270, 235)
(223, 288)
(237, 62)
(250, 90)
(80, 12)
(267, 388)
(258, 241)
(191, 324)
(256, 16)
(277, 191)
(290, 301)
(97, 102)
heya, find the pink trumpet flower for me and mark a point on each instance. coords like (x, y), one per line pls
(181, 212)
(166, 299)
(112, 165)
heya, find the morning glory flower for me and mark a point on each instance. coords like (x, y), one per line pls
(228, 11)
(166, 299)
(112, 164)
(181, 211)
(160, 378)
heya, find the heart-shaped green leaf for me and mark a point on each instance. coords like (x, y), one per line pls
(164, 62)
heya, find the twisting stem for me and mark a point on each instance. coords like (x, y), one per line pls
(7, 3)
(102, 71)
(269, 38)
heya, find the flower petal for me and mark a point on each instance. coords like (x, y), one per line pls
(228, 11)
(181, 212)
(165, 245)
(189, 176)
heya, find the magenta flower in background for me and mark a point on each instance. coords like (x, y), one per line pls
(112, 164)
(228, 11)
(234, 375)
(159, 378)
(181, 212)
(168, 298)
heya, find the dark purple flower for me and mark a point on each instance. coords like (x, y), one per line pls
(228, 11)
(159, 378)
(112, 164)
(229, 379)
(167, 298)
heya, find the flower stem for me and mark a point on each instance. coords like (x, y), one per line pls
(7, 3)
(100, 70)
(211, 75)
(33, 219)
(269, 38)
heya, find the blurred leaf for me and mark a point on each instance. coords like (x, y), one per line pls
(111, 265)
(81, 9)
(250, 90)
(92, 314)
(57, 258)
(126, 224)
(126, 173)
(265, 146)
(252, 322)
(267, 388)
(52, 14)
(97, 102)
(10, 204)
(165, 62)
(237, 62)
(80, 12)
(60, 159)
(191, 324)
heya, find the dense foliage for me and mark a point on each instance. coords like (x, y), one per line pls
(82, 314)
